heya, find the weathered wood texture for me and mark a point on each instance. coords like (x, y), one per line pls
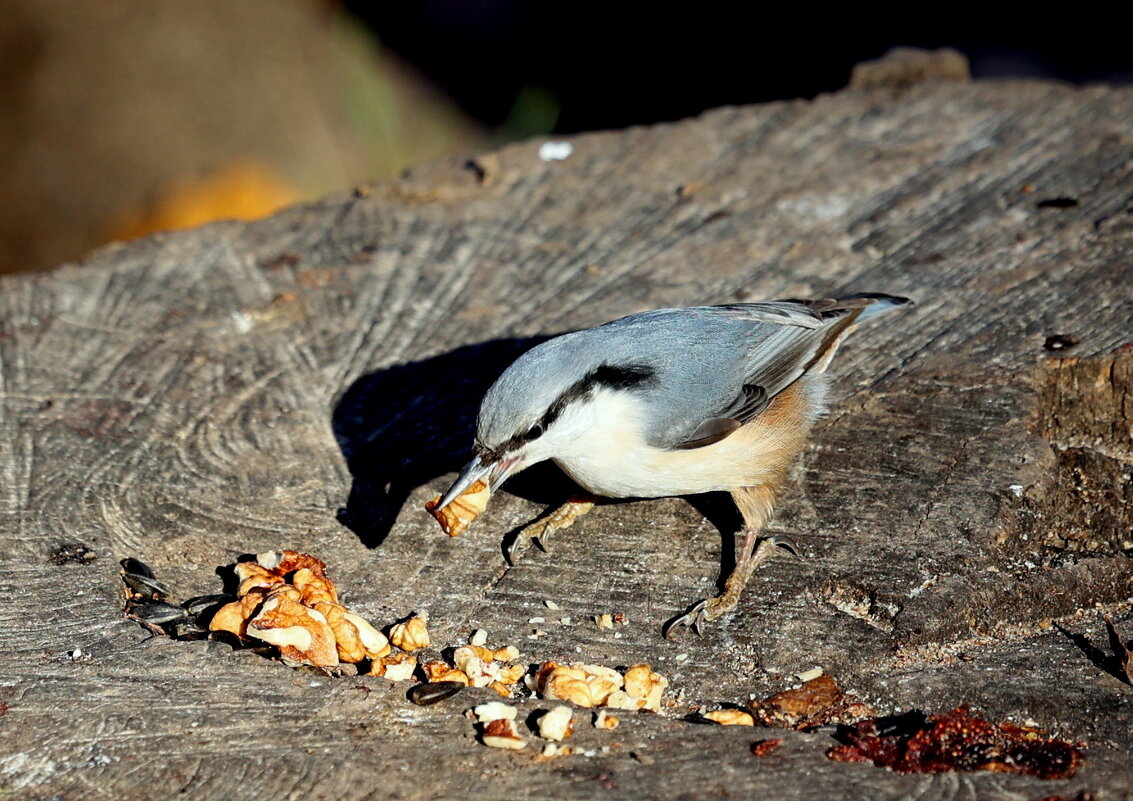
(309, 381)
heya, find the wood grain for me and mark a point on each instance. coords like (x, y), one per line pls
(310, 380)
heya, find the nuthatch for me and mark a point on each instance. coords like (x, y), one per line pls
(672, 402)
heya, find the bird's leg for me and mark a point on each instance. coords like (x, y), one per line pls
(542, 529)
(755, 505)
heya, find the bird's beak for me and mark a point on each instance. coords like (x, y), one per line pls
(473, 471)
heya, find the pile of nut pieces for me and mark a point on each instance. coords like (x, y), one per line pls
(286, 599)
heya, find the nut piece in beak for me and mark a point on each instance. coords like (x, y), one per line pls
(458, 515)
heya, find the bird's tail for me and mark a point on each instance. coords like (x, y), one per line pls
(843, 316)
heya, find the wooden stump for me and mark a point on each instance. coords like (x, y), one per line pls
(309, 381)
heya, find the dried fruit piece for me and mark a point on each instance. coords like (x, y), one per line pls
(956, 740)
(762, 748)
(604, 621)
(411, 635)
(730, 717)
(818, 702)
(465, 508)
(556, 724)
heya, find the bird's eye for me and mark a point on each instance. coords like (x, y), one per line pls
(534, 432)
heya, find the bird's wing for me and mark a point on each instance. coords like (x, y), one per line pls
(786, 340)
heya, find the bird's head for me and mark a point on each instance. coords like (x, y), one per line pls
(540, 407)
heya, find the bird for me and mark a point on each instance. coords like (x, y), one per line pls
(672, 402)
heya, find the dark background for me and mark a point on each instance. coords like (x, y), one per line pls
(122, 118)
(609, 65)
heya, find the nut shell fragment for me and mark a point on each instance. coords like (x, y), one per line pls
(462, 511)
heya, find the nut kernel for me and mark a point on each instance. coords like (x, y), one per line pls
(556, 724)
(730, 717)
(462, 511)
(411, 635)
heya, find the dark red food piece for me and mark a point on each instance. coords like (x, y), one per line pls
(956, 740)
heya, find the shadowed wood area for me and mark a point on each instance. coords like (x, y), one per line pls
(309, 381)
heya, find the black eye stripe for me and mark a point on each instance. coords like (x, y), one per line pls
(624, 377)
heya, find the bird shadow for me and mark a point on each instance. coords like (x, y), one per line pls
(406, 425)
(1106, 662)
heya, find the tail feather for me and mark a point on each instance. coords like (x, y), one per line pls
(849, 311)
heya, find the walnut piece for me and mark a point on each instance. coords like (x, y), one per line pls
(412, 635)
(582, 685)
(502, 734)
(494, 710)
(465, 508)
(285, 598)
(604, 720)
(556, 724)
(395, 667)
(301, 634)
(642, 683)
(439, 671)
(730, 717)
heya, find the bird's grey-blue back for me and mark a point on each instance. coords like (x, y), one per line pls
(700, 359)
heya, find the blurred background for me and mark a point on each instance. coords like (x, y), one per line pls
(123, 117)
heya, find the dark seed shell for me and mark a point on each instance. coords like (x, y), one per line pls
(194, 606)
(137, 567)
(145, 585)
(156, 612)
(434, 691)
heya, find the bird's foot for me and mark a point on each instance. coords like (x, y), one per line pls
(694, 618)
(541, 530)
(702, 612)
(709, 609)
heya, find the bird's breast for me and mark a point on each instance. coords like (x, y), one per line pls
(615, 461)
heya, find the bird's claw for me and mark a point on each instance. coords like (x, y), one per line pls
(694, 618)
(786, 543)
(517, 545)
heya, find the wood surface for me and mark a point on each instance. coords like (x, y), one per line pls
(308, 381)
